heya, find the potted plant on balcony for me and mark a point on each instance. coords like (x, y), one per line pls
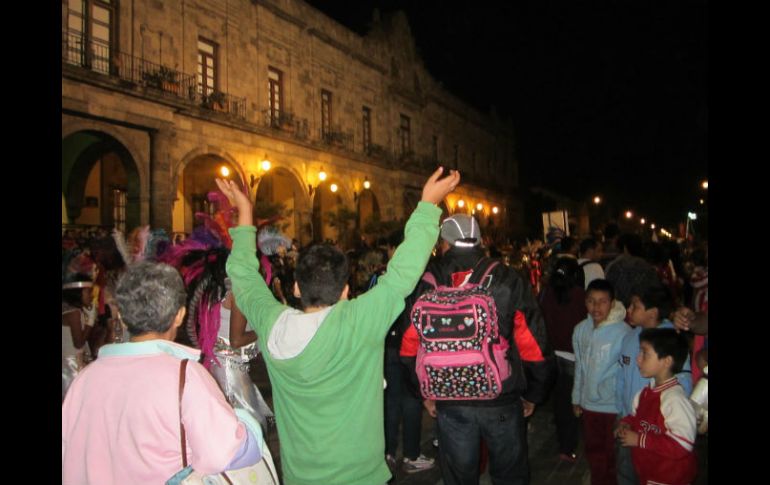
(215, 100)
(169, 81)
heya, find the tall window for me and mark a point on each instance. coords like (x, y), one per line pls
(275, 93)
(435, 147)
(119, 209)
(406, 135)
(207, 65)
(90, 33)
(326, 112)
(366, 119)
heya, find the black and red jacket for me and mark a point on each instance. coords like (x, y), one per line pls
(519, 320)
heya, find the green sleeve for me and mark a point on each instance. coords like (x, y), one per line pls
(252, 295)
(375, 310)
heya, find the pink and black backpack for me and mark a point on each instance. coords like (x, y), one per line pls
(461, 355)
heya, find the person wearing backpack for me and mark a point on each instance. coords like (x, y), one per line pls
(483, 361)
(589, 254)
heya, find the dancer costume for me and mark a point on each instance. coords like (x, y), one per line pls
(73, 359)
(232, 372)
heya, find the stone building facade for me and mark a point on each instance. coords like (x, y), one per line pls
(158, 96)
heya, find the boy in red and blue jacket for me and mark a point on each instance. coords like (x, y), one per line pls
(661, 428)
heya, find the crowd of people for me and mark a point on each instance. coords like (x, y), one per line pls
(359, 345)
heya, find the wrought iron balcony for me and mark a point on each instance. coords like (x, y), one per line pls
(337, 139)
(138, 72)
(220, 102)
(287, 122)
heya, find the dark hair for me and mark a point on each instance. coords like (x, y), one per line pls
(321, 274)
(632, 242)
(601, 285)
(587, 244)
(395, 238)
(564, 278)
(567, 244)
(667, 342)
(657, 296)
(149, 295)
(74, 296)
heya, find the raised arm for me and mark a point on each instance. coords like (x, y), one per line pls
(409, 260)
(253, 297)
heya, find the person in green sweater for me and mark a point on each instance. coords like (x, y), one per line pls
(326, 362)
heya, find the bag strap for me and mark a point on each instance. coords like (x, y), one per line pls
(182, 373)
(430, 279)
(486, 273)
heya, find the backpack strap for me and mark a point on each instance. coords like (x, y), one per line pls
(430, 279)
(490, 265)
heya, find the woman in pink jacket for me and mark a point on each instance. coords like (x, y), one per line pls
(120, 418)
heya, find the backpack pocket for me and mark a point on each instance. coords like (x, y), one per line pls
(463, 375)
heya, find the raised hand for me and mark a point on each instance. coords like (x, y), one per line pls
(237, 199)
(435, 190)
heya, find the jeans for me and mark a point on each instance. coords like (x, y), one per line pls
(400, 403)
(460, 429)
(625, 466)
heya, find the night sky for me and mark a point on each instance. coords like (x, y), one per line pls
(606, 97)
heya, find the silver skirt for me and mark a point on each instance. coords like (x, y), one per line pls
(232, 375)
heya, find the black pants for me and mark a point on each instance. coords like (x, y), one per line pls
(401, 404)
(567, 425)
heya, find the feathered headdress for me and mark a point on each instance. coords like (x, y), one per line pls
(201, 260)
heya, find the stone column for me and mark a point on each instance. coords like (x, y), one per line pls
(161, 192)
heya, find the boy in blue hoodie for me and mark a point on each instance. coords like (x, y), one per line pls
(648, 308)
(596, 342)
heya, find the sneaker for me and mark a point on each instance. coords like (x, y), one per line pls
(390, 460)
(419, 464)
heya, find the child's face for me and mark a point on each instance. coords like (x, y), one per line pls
(599, 305)
(86, 296)
(650, 365)
(639, 315)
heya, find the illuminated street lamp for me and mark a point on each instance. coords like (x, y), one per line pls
(224, 171)
(705, 184)
(367, 184)
(629, 215)
(479, 206)
(495, 210)
(652, 226)
(702, 202)
(322, 175)
(460, 203)
(642, 220)
(597, 200)
(334, 187)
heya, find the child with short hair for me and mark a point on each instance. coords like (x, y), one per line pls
(661, 427)
(596, 343)
(649, 308)
(326, 361)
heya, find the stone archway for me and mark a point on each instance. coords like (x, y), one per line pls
(333, 219)
(280, 192)
(193, 186)
(100, 181)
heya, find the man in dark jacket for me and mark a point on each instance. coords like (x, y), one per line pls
(500, 422)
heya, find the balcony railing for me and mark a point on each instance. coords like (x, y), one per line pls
(337, 139)
(98, 57)
(287, 122)
(221, 102)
